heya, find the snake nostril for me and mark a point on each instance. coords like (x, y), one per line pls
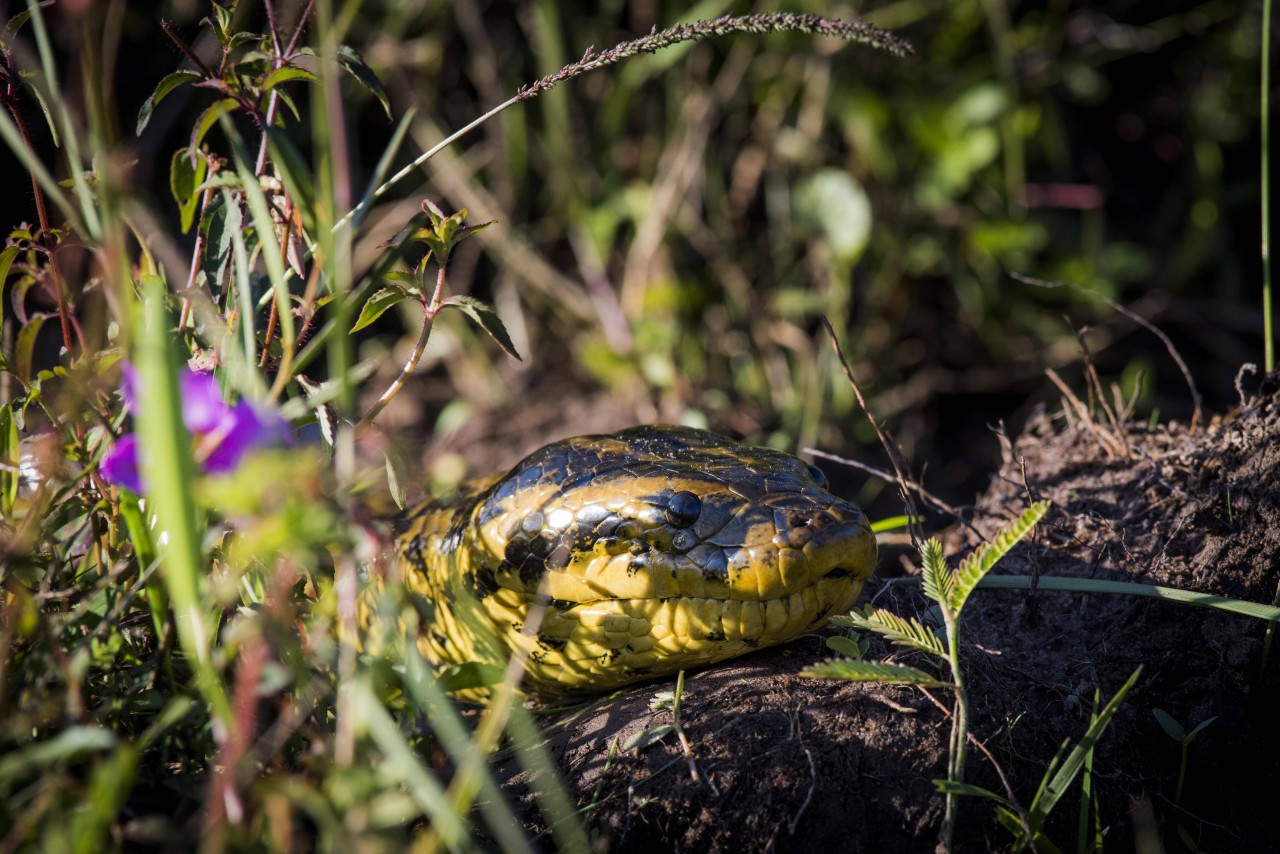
(838, 572)
(800, 521)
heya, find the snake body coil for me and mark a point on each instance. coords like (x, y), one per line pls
(612, 559)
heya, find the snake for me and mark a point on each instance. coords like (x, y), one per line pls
(604, 560)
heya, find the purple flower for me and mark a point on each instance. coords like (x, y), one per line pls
(221, 433)
(120, 465)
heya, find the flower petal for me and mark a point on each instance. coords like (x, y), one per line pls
(250, 427)
(120, 464)
(203, 408)
(129, 386)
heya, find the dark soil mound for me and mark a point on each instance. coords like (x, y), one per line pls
(787, 763)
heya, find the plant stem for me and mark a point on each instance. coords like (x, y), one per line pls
(1268, 332)
(429, 312)
(959, 725)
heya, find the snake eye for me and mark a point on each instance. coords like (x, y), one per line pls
(683, 509)
(819, 476)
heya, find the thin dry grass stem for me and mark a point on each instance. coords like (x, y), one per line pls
(1098, 393)
(1138, 319)
(890, 447)
(1104, 436)
(888, 477)
(775, 22)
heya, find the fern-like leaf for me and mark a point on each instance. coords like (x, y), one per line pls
(903, 632)
(939, 584)
(868, 671)
(978, 564)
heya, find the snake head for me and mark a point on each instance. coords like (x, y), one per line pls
(658, 549)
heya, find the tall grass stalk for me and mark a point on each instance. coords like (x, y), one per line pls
(169, 473)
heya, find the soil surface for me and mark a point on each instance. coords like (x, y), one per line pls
(783, 762)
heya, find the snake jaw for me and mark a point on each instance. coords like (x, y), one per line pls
(653, 550)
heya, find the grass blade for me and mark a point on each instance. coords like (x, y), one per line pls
(1049, 795)
(1255, 610)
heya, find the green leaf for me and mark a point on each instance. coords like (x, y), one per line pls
(845, 646)
(220, 20)
(209, 118)
(903, 632)
(286, 73)
(221, 220)
(48, 114)
(11, 28)
(68, 745)
(833, 201)
(939, 584)
(401, 761)
(402, 277)
(24, 347)
(379, 303)
(109, 786)
(890, 523)
(7, 256)
(355, 66)
(287, 100)
(1049, 794)
(1198, 728)
(645, 737)
(484, 315)
(1171, 726)
(870, 671)
(468, 675)
(185, 180)
(953, 787)
(393, 483)
(979, 563)
(166, 85)
(10, 460)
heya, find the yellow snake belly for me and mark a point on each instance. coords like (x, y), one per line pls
(616, 558)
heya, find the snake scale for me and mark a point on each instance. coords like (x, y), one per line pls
(611, 559)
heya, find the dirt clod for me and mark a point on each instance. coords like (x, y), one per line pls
(787, 763)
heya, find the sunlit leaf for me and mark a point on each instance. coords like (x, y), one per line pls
(379, 303)
(980, 562)
(870, 671)
(845, 646)
(489, 321)
(10, 460)
(209, 118)
(902, 632)
(645, 737)
(939, 584)
(286, 73)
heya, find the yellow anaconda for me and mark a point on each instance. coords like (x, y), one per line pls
(651, 550)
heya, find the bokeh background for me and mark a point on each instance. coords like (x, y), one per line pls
(670, 231)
